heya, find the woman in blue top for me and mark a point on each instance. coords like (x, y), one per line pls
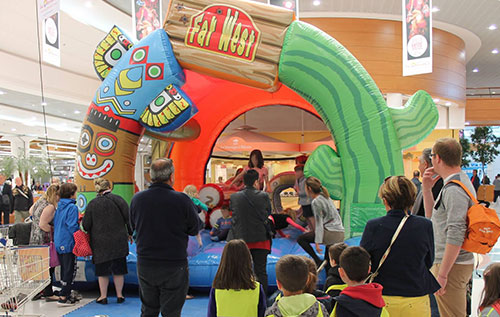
(65, 224)
(405, 273)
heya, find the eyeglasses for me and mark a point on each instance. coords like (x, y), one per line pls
(431, 155)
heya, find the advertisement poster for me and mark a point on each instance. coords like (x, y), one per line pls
(417, 37)
(48, 16)
(146, 16)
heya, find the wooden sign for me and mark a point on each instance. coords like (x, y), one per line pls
(236, 40)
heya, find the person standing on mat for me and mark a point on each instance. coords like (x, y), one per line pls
(328, 225)
(251, 207)
(162, 219)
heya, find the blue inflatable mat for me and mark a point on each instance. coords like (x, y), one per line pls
(204, 261)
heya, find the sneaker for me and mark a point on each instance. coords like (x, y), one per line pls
(76, 295)
(66, 302)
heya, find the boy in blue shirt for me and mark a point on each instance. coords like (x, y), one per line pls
(221, 229)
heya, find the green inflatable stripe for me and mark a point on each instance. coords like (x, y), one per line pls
(364, 129)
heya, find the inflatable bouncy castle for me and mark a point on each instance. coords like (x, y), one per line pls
(215, 60)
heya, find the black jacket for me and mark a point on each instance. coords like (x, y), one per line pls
(7, 190)
(21, 202)
(250, 208)
(163, 218)
(333, 278)
(106, 221)
(419, 201)
(405, 272)
(475, 182)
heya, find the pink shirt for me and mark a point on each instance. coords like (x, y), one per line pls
(263, 174)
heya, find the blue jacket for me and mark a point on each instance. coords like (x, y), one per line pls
(65, 224)
(405, 272)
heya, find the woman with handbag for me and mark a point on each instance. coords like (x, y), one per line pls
(42, 213)
(107, 222)
(401, 247)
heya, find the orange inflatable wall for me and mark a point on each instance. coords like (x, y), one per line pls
(219, 102)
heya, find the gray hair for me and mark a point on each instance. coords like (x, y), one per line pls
(426, 154)
(161, 170)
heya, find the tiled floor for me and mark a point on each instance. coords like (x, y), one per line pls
(196, 307)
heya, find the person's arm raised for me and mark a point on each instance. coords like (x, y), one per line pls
(428, 180)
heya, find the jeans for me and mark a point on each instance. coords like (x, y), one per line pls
(162, 289)
(259, 257)
(68, 272)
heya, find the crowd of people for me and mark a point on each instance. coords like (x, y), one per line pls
(406, 259)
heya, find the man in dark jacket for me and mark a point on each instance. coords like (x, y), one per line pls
(23, 199)
(475, 180)
(250, 208)
(5, 200)
(162, 219)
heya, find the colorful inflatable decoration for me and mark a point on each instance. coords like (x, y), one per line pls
(146, 90)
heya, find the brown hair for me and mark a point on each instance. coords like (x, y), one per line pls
(51, 194)
(291, 213)
(491, 291)
(313, 275)
(101, 184)
(336, 250)
(449, 150)
(316, 187)
(260, 159)
(355, 261)
(399, 192)
(235, 268)
(67, 190)
(292, 272)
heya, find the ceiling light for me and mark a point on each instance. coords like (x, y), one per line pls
(88, 4)
(493, 92)
(475, 70)
(467, 123)
(76, 112)
(492, 27)
(316, 3)
(2, 92)
(436, 99)
(495, 51)
(13, 129)
(435, 9)
(448, 104)
(288, 4)
(44, 103)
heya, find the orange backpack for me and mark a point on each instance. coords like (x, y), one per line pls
(483, 226)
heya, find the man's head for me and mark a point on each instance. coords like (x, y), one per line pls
(335, 251)
(2, 179)
(162, 171)
(425, 160)
(474, 172)
(250, 178)
(292, 273)
(18, 181)
(447, 153)
(416, 174)
(354, 265)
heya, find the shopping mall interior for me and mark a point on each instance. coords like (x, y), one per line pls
(51, 88)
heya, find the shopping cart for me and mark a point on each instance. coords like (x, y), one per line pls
(24, 272)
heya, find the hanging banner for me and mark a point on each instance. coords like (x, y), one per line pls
(146, 17)
(417, 37)
(48, 16)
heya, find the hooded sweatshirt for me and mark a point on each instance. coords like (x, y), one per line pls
(304, 305)
(360, 301)
(65, 224)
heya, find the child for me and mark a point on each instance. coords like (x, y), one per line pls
(282, 220)
(333, 277)
(235, 291)
(358, 298)
(65, 224)
(221, 229)
(490, 302)
(192, 192)
(292, 275)
(304, 200)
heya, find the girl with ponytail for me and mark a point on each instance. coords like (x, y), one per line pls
(328, 228)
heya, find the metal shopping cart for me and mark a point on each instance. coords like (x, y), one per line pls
(24, 272)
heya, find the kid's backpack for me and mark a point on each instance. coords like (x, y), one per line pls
(483, 226)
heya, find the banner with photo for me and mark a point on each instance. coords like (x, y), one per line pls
(417, 37)
(48, 16)
(146, 17)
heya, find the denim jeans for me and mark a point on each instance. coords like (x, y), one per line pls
(162, 289)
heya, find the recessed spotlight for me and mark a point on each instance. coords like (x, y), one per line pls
(475, 70)
(493, 92)
(448, 104)
(492, 27)
(467, 123)
(13, 129)
(288, 4)
(495, 51)
(2, 92)
(436, 99)
(316, 3)
(44, 103)
(64, 115)
(76, 112)
(435, 9)
(33, 105)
